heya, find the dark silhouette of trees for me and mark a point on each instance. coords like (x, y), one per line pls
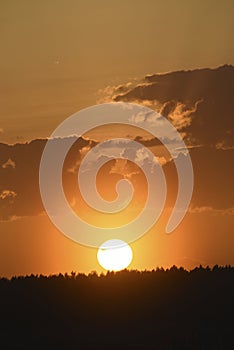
(159, 309)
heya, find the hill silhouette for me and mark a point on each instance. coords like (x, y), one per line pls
(159, 309)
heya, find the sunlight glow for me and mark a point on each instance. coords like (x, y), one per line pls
(114, 255)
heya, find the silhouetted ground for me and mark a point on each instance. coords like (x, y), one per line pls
(162, 309)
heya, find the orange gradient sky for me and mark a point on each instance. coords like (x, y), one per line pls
(58, 57)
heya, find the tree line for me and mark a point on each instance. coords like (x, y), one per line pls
(159, 309)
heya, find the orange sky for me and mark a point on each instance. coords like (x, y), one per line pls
(55, 57)
(59, 57)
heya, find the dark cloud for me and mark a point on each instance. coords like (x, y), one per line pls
(213, 178)
(22, 179)
(200, 103)
(208, 93)
(19, 185)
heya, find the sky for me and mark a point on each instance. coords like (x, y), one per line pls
(55, 56)
(59, 57)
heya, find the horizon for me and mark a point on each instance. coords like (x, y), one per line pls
(106, 273)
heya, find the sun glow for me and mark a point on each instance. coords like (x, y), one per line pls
(114, 255)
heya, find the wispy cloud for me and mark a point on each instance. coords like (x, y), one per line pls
(7, 194)
(211, 210)
(9, 164)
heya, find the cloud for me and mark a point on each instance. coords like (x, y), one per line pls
(7, 202)
(223, 145)
(124, 168)
(73, 168)
(109, 93)
(9, 164)
(181, 115)
(19, 187)
(7, 194)
(24, 180)
(213, 177)
(198, 102)
(199, 210)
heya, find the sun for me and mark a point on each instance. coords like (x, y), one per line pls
(114, 255)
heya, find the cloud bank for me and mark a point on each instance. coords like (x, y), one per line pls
(199, 102)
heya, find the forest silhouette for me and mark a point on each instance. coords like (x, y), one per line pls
(158, 309)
